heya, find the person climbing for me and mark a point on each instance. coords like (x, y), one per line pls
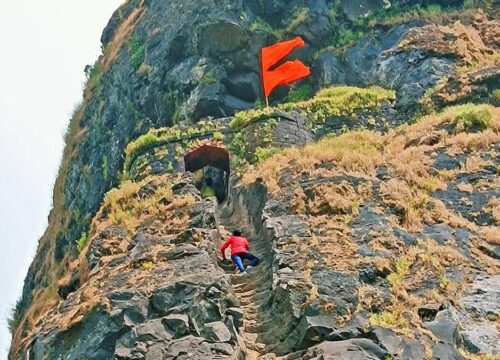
(239, 251)
(207, 189)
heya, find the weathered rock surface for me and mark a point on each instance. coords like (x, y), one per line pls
(388, 249)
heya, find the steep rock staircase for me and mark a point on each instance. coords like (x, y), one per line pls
(252, 290)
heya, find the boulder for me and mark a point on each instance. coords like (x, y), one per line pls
(445, 352)
(221, 36)
(371, 62)
(412, 349)
(481, 337)
(111, 240)
(314, 329)
(386, 339)
(216, 331)
(151, 330)
(341, 289)
(177, 325)
(243, 85)
(481, 310)
(345, 350)
(355, 328)
(446, 328)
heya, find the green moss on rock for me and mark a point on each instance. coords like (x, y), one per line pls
(332, 101)
(157, 137)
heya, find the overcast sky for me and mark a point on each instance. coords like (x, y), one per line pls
(44, 47)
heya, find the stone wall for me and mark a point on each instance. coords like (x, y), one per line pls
(278, 130)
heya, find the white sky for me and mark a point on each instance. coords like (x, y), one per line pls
(44, 47)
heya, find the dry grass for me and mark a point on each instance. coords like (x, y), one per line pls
(60, 215)
(412, 266)
(491, 234)
(466, 188)
(410, 203)
(408, 153)
(356, 153)
(121, 36)
(334, 199)
(128, 207)
(489, 60)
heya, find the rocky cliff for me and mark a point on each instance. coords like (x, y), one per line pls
(370, 191)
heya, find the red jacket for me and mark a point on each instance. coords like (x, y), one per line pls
(239, 245)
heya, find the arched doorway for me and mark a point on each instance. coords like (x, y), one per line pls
(213, 158)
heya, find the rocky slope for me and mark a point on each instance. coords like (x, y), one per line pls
(378, 239)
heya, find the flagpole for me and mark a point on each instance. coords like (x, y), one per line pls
(267, 101)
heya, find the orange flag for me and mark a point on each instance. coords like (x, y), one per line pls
(287, 72)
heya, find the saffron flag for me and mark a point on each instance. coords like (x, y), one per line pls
(285, 73)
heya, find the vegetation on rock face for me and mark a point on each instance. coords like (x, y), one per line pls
(388, 319)
(262, 154)
(137, 52)
(472, 117)
(363, 151)
(125, 206)
(156, 137)
(121, 37)
(333, 101)
(300, 93)
(149, 202)
(489, 60)
(81, 242)
(495, 97)
(332, 178)
(14, 320)
(409, 196)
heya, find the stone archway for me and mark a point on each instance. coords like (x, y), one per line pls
(213, 155)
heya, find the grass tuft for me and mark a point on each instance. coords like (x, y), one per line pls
(388, 319)
(81, 242)
(471, 117)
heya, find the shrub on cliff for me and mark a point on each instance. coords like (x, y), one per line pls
(472, 118)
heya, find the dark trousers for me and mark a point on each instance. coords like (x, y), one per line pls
(238, 260)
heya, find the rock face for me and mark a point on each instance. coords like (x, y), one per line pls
(410, 58)
(374, 242)
(155, 299)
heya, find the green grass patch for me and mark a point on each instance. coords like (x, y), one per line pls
(348, 37)
(300, 93)
(332, 101)
(471, 117)
(81, 242)
(396, 278)
(208, 79)
(137, 51)
(388, 319)
(262, 154)
(395, 15)
(261, 24)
